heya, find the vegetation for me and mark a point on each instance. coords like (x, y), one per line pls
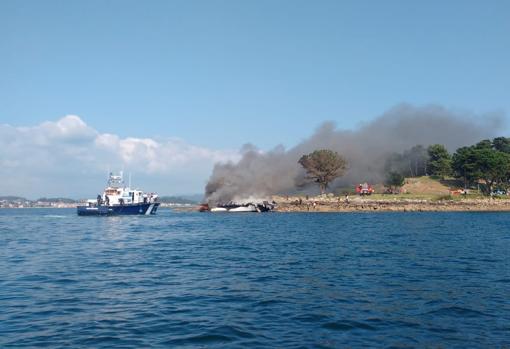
(485, 164)
(394, 181)
(12, 198)
(439, 161)
(323, 166)
(411, 163)
(501, 144)
(63, 200)
(177, 200)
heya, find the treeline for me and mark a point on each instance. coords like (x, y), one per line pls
(63, 200)
(176, 200)
(486, 163)
(43, 199)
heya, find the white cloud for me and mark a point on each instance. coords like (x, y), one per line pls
(34, 159)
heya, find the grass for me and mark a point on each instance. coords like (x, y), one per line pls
(402, 196)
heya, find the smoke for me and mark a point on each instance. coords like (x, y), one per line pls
(366, 149)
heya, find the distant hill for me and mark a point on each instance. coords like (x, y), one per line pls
(63, 200)
(193, 197)
(12, 198)
(177, 200)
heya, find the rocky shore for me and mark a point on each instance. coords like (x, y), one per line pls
(366, 204)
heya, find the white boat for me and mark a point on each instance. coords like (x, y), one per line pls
(219, 209)
(118, 199)
(247, 208)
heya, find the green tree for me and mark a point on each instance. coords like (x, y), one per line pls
(482, 162)
(493, 167)
(440, 161)
(464, 165)
(485, 144)
(323, 166)
(394, 181)
(502, 144)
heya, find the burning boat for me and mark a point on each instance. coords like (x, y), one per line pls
(264, 206)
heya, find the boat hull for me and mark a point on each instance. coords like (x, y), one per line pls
(234, 208)
(118, 210)
(243, 209)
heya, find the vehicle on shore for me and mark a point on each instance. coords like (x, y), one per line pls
(364, 189)
(118, 199)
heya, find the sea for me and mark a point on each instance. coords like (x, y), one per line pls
(254, 280)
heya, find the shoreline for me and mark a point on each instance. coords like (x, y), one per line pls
(403, 205)
(364, 205)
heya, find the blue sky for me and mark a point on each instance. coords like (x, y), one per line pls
(218, 74)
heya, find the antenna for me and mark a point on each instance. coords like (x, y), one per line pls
(129, 179)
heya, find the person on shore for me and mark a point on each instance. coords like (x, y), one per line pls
(346, 198)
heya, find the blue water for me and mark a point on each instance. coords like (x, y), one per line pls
(254, 280)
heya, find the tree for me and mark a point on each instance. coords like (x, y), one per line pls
(493, 167)
(411, 163)
(396, 162)
(482, 162)
(440, 161)
(502, 144)
(464, 165)
(323, 166)
(485, 144)
(417, 159)
(394, 181)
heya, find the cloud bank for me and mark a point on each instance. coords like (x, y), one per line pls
(69, 158)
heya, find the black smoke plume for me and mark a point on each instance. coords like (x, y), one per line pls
(259, 174)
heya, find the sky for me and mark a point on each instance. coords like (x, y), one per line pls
(195, 80)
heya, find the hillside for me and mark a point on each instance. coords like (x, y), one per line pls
(177, 200)
(426, 186)
(12, 198)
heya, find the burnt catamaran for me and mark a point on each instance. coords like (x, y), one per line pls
(118, 199)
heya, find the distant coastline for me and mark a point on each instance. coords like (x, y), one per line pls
(21, 202)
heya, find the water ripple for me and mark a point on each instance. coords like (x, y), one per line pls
(391, 280)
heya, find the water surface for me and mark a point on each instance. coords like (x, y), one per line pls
(254, 280)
